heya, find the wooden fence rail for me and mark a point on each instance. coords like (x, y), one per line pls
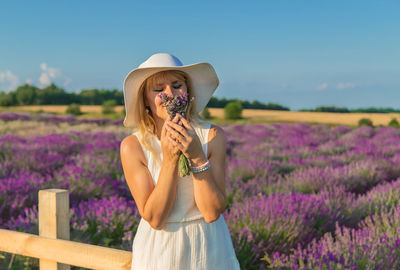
(53, 248)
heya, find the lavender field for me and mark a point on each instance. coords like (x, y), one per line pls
(300, 196)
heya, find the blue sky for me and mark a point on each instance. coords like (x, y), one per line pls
(300, 54)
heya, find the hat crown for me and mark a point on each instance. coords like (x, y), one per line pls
(161, 60)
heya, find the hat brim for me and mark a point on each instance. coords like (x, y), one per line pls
(203, 78)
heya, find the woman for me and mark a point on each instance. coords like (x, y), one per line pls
(182, 226)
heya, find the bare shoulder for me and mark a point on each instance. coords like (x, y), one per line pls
(216, 140)
(131, 148)
(216, 133)
(129, 143)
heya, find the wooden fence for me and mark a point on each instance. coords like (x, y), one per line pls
(52, 246)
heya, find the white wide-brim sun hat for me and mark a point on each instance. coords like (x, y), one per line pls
(202, 76)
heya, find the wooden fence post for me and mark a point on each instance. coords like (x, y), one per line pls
(53, 215)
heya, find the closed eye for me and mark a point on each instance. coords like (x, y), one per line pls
(175, 87)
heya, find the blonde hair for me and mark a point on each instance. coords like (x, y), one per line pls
(146, 125)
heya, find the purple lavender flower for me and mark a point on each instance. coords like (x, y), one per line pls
(176, 104)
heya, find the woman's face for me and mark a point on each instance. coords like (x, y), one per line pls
(170, 84)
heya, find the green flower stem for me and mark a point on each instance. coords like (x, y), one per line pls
(183, 168)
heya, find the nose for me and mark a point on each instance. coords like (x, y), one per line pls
(169, 91)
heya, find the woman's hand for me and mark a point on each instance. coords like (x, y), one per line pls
(184, 138)
(169, 149)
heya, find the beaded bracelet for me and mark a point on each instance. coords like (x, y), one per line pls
(201, 168)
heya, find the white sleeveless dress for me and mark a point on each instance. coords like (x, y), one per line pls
(186, 242)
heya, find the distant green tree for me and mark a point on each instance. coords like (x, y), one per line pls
(52, 95)
(118, 96)
(274, 106)
(74, 108)
(109, 106)
(257, 105)
(221, 103)
(7, 99)
(375, 110)
(205, 113)
(90, 97)
(98, 96)
(233, 110)
(217, 103)
(365, 122)
(25, 94)
(332, 109)
(245, 104)
(74, 97)
(213, 102)
(394, 123)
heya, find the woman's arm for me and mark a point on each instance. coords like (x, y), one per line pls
(154, 202)
(209, 185)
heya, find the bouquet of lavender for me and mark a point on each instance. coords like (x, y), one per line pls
(174, 105)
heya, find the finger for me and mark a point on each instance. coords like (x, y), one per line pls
(183, 122)
(171, 120)
(179, 128)
(175, 134)
(164, 128)
(176, 119)
(186, 123)
(175, 143)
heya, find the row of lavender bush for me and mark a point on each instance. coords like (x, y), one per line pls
(51, 118)
(300, 196)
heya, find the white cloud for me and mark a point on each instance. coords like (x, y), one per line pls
(28, 81)
(51, 74)
(8, 81)
(43, 66)
(44, 79)
(345, 85)
(322, 86)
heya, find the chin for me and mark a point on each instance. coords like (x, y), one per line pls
(163, 116)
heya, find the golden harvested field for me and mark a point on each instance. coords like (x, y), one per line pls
(350, 119)
(250, 116)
